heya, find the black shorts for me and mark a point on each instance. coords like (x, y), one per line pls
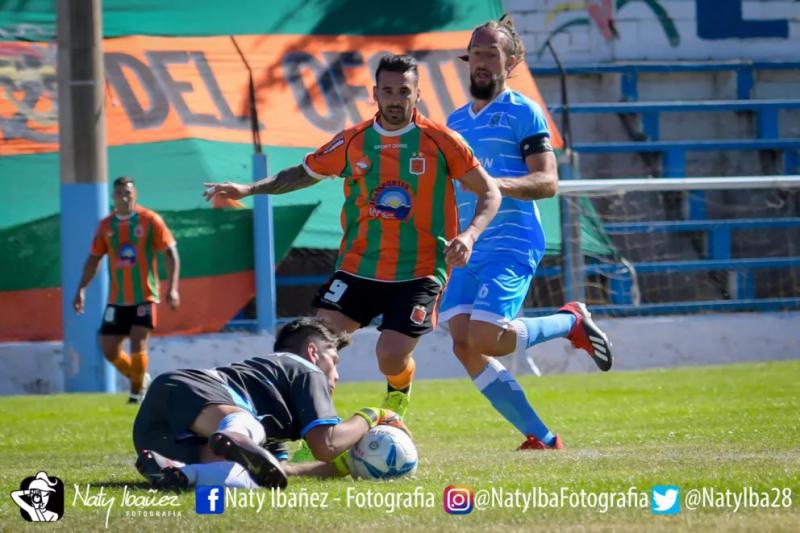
(118, 319)
(170, 407)
(408, 307)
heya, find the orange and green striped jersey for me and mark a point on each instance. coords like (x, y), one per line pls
(131, 244)
(399, 210)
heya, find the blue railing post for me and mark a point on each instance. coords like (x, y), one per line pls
(745, 285)
(767, 120)
(621, 287)
(791, 162)
(744, 82)
(266, 316)
(629, 86)
(571, 246)
(650, 125)
(675, 167)
(719, 243)
(674, 163)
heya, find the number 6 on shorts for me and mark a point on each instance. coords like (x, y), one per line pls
(335, 291)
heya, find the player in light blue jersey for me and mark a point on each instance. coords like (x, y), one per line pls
(509, 135)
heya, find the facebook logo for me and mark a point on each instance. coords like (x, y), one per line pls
(209, 499)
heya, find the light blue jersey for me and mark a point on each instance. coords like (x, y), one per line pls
(495, 134)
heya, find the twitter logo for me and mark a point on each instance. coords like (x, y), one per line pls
(665, 499)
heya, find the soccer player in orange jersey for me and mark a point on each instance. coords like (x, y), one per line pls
(400, 222)
(130, 236)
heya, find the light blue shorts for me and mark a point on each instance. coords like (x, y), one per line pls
(490, 292)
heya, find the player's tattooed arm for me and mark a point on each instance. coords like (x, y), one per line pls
(287, 180)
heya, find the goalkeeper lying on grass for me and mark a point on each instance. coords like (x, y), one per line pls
(226, 426)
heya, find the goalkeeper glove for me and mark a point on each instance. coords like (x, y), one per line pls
(382, 417)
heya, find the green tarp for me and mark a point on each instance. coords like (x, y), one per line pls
(169, 176)
(35, 19)
(211, 242)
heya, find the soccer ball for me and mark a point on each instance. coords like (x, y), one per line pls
(385, 452)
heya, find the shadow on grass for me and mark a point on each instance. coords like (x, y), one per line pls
(137, 485)
(143, 485)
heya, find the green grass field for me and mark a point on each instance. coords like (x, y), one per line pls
(724, 427)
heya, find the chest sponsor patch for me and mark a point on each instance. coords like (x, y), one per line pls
(391, 201)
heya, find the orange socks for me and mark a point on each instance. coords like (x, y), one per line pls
(123, 364)
(402, 381)
(138, 369)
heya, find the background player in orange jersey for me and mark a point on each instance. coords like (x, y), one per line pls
(399, 219)
(130, 236)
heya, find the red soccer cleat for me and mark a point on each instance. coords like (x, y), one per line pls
(532, 443)
(586, 335)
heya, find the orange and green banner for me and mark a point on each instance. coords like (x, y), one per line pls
(172, 88)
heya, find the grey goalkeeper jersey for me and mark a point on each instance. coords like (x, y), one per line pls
(287, 393)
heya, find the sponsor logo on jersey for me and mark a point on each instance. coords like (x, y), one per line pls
(391, 201)
(127, 256)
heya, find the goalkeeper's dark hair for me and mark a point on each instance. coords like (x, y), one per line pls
(513, 43)
(397, 63)
(295, 335)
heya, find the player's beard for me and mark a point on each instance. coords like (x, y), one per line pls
(483, 90)
(390, 114)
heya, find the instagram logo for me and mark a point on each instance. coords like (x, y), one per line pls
(458, 499)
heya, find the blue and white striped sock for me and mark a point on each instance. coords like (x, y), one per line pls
(532, 331)
(508, 398)
(225, 473)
